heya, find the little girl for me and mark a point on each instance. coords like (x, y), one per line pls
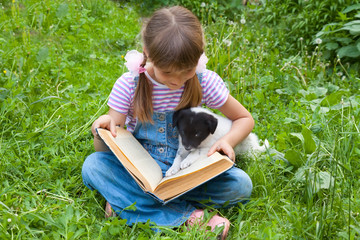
(170, 74)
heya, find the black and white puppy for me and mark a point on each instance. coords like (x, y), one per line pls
(199, 129)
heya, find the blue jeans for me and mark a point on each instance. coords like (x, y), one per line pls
(103, 172)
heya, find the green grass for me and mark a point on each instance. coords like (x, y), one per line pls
(58, 62)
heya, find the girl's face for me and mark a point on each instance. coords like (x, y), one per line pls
(173, 79)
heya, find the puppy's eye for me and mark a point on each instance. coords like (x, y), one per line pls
(197, 135)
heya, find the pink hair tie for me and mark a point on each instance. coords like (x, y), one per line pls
(142, 69)
(134, 59)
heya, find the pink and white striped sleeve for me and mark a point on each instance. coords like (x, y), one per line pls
(215, 92)
(122, 93)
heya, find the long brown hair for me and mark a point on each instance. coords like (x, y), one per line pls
(173, 39)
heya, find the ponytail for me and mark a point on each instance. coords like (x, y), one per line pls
(143, 108)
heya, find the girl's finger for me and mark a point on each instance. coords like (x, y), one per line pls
(212, 150)
(113, 128)
(93, 129)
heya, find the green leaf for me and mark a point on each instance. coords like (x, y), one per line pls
(352, 23)
(294, 157)
(349, 51)
(331, 46)
(132, 207)
(318, 109)
(319, 91)
(114, 230)
(344, 40)
(290, 120)
(329, 28)
(299, 136)
(309, 143)
(324, 180)
(333, 99)
(351, 8)
(69, 213)
(342, 16)
(62, 10)
(315, 91)
(42, 54)
(353, 27)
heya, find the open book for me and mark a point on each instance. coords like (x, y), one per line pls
(147, 173)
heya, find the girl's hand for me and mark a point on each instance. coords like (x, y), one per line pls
(242, 125)
(104, 121)
(109, 122)
(223, 147)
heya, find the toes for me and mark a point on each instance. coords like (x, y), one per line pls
(184, 165)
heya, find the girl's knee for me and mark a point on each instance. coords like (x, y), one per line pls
(93, 167)
(244, 184)
(90, 163)
(240, 184)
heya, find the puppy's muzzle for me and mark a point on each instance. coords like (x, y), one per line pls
(188, 148)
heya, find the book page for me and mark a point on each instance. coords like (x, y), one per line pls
(196, 166)
(198, 173)
(136, 155)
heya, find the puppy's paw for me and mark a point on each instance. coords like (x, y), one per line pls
(172, 170)
(186, 163)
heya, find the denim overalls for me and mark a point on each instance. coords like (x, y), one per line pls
(103, 171)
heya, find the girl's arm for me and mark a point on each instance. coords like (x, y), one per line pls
(108, 121)
(243, 123)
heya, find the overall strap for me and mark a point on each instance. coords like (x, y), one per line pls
(136, 80)
(199, 75)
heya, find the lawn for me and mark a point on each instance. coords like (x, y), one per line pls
(58, 63)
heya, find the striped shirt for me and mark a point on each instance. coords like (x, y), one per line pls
(164, 99)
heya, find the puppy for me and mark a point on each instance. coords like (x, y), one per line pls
(199, 129)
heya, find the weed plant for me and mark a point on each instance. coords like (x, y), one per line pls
(342, 38)
(58, 62)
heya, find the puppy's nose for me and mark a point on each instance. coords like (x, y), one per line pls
(188, 148)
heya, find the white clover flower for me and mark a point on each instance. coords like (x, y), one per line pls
(318, 41)
(243, 21)
(9, 219)
(301, 39)
(203, 4)
(227, 42)
(339, 74)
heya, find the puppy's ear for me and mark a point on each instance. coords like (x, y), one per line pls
(176, 116)
(212, 123)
